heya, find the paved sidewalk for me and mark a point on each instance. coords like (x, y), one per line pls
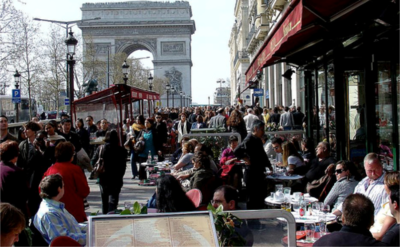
(131, 192)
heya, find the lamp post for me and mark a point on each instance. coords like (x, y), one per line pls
(167, 87)
(208, 100)
(181, 93)
(125, 71)
(220, 81)
(150, 81)
(71, 43)
(17, 80)
(173, 94)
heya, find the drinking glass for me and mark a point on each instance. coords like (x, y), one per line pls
(286, 192)
(272, 195)
(309, 227)
(155, 157)
(279, 187)
(128, 205)
(315, 208)
(296, 206)
(325, 209)
(322, 228)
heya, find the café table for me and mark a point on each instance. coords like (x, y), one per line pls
(284, 177)
(302, 242)
(307, 199)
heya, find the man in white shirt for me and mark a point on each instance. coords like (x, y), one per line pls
(371, 186)
(249, 120)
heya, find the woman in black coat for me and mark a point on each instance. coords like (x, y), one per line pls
(111, 181)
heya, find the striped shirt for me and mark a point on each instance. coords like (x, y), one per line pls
(340, 190)
(375, 191)
(53, 220)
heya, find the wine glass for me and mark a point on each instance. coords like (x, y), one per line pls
(315, 208)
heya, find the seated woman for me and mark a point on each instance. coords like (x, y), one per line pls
(199, 123)
(185, 162)
(384, 219)
(291, 158)
(231, 173)
(203, 176)
(171, 197)
(346, 181)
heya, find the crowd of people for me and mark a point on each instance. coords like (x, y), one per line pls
(43, 182)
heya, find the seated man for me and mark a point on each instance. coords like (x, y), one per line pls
(357, 217)
(53, 220)
(227, 196)
(12, 224)
(392, 235)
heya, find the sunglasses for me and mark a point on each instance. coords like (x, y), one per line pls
(339, 171)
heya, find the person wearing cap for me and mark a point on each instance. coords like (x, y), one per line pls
(218, 121)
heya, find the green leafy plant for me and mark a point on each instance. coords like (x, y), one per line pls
(137, 209)
(226, 225)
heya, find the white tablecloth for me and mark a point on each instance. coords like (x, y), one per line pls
(292, 201)
(282, 177)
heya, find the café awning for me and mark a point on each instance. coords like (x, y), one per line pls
(309, 23)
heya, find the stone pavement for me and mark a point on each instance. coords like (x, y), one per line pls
(131, 192)
(271, 233)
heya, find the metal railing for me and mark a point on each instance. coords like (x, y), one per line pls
(271, 214)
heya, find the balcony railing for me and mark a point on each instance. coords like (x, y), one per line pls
(252, 32)
(240, 55)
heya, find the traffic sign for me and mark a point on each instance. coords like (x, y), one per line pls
(66, 102)
(267, 94)
(16, 96)
(258, 92)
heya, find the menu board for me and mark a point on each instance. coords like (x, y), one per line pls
(174, 230)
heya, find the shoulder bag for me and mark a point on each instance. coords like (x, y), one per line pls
(139, 145)
(99, 166)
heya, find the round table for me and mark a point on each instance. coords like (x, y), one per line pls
(284, 177)
(307, 198)
(301, 242)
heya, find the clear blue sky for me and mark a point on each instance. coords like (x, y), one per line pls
(210, 53)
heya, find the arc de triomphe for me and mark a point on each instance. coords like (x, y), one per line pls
(162, 28)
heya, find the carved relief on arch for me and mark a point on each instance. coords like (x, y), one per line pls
(130, 45)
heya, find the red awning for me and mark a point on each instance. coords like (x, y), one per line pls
(144, 94)
(118, 92)
(303, 24)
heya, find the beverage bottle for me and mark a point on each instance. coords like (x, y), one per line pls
(149, 157)
(302, 210)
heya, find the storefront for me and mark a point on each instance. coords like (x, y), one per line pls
(346, 55)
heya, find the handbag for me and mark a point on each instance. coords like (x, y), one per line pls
(99, 166)
(83, 160)
(321, 187)
(139, 145)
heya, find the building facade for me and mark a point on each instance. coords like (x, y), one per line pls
(254, 21)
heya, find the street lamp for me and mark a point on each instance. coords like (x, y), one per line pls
(181, 93)
(208, 100)
(17, 80)
(173, 94)
(220, 81)
(150, 81)
(125, 71)
(167, 87)
(71, 43)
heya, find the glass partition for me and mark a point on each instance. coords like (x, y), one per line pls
(383, 111)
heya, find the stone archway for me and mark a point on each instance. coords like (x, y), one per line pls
(162, 28)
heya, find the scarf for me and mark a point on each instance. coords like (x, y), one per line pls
(55, 137)
(180, 133)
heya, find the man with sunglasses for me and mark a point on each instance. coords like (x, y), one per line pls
(372, 185)
(160, 133)
(277, 148)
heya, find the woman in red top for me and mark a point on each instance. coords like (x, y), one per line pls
(76, 186)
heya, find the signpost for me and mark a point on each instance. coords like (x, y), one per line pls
(258, 92)
(16, 96)
(66, 102)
